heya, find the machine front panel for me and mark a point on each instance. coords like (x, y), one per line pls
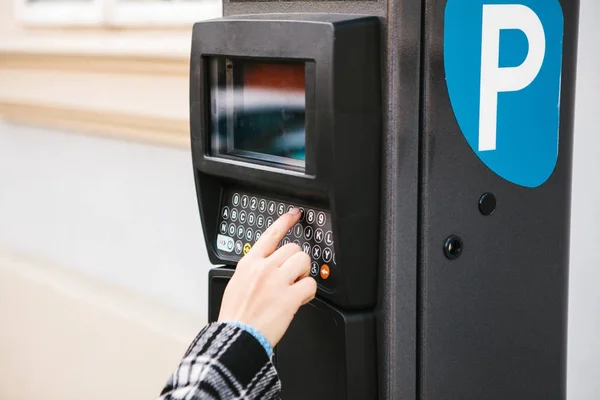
(285, 114)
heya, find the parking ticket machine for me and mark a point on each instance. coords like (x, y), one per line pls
(428, 144)
(280, 121)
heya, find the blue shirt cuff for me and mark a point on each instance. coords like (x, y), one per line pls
(257, 335)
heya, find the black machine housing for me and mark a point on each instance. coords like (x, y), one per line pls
(326, 354)
(343, 129)
(491, 324)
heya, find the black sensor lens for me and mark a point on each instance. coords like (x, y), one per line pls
(453, 247)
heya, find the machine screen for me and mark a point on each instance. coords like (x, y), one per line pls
(258, 110)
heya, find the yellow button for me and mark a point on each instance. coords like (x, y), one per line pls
(247, 248)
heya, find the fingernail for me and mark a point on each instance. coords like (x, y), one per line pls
(294, 211)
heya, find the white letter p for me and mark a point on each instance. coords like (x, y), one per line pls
(494, 79)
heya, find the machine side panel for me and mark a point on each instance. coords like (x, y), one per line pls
(492, 321)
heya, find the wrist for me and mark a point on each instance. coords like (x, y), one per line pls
(264, 342)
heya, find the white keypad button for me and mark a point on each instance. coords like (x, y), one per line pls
(280, 209)
(257, 235)
(253, 203)
(269, 222)
(243, 216)
(249, 234)
(262, 205)
(298, 230)
(271, 208)
(329, 238)
(235, 199)
(238, 247)
(234, 214)
(319, 235)
(285, 241)
(244, 201)
(314, 269)
(327, 254)
(302, 212)
(321, 219)
(224, 243)
(290, 208)
(251, 219)
(260, 221)
(223, 228)
(308, 233)
(231, 230)
(225, 213)
(310, 216)
(306, 248)
(240, 232)
(316, 252)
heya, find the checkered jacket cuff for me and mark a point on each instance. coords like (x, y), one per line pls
(223, 362)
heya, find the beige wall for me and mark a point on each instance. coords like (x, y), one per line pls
(129, 83)
(65, 333)
(7, 22)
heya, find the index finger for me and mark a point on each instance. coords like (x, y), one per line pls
(268, 242)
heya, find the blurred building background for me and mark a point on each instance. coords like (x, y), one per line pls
(102, 263)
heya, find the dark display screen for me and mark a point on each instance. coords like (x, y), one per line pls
(258, 110)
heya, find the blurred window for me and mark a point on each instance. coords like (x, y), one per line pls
(59, 12)
(116, 13)
(161, 12)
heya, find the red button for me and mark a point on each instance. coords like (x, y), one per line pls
(325, 271)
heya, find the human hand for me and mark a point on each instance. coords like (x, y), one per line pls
(269, 284)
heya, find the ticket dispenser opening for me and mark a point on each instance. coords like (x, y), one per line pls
(285, 111)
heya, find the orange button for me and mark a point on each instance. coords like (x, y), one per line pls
(325, 271)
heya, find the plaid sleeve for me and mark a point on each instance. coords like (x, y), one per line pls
(223, 362)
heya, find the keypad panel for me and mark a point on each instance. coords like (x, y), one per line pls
(245, 216)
